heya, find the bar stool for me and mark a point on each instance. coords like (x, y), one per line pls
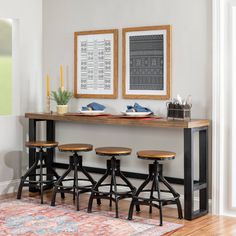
(41, 156)
(155, 175)
(113, 170)
(75, 165)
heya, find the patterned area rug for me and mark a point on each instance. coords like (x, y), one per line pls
(27, 217)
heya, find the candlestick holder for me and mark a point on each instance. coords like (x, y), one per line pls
(48, 108)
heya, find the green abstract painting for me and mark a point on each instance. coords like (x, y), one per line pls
(5, 67)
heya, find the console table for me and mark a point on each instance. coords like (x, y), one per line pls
(189, 127)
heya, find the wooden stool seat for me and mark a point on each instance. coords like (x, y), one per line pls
(113, 151)
(75, 147)
(41, 144)
(156, 155)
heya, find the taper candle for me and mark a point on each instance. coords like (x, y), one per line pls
(48, 86)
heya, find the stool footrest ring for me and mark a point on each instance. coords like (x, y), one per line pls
(43, 181)
(155, 199)
(113, 193)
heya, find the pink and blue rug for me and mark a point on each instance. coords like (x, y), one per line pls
(27, 217)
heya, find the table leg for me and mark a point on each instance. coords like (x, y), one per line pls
(203, 169)
(50, 129)
(190, 186)
(32, 152)
(188, 173)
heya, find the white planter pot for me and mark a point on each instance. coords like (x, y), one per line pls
(62, 109)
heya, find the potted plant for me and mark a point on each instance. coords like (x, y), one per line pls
(62, 97)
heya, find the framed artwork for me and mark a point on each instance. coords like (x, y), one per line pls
(96, 64)
(147, 62)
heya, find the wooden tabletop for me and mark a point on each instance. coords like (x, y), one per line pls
(119, 120)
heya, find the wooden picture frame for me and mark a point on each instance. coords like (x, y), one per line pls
(146, 62)
(96, 64)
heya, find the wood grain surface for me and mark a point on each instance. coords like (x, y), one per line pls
(117, 120)
(75, 147)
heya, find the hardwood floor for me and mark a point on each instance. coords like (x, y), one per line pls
(208, 225)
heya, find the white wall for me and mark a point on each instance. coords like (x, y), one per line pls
(191, 70)
(27, 87)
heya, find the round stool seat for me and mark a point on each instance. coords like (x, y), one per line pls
(41, 144)
(75, 147)
(113, 151)
(156, 155)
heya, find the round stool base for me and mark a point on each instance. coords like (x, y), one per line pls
(154, 177)
(75, 165)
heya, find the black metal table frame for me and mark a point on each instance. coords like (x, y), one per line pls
(190, 185)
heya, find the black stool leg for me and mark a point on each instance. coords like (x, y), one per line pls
(161, 217)
(137, 208)
(58, 183)
(151, 193)
(113, 168)
(133, 189)
(74, 185)
(87, 174)
(115, 192)
(120, 174)
(90, 178)
(41, 152)
(111, 189)
(76, 162)
(134, 200)
(159, 197)
(95, 188)
(57, 177)
(174, 193)
(24, 177)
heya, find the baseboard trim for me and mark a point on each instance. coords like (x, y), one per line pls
(128, 174)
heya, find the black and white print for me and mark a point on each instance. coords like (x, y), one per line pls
(146, 62)
(95, 64)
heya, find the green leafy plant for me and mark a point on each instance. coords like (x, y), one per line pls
(61, 97)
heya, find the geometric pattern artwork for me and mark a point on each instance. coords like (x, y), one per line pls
(146, 62)
(96, 64)
(28, 217)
